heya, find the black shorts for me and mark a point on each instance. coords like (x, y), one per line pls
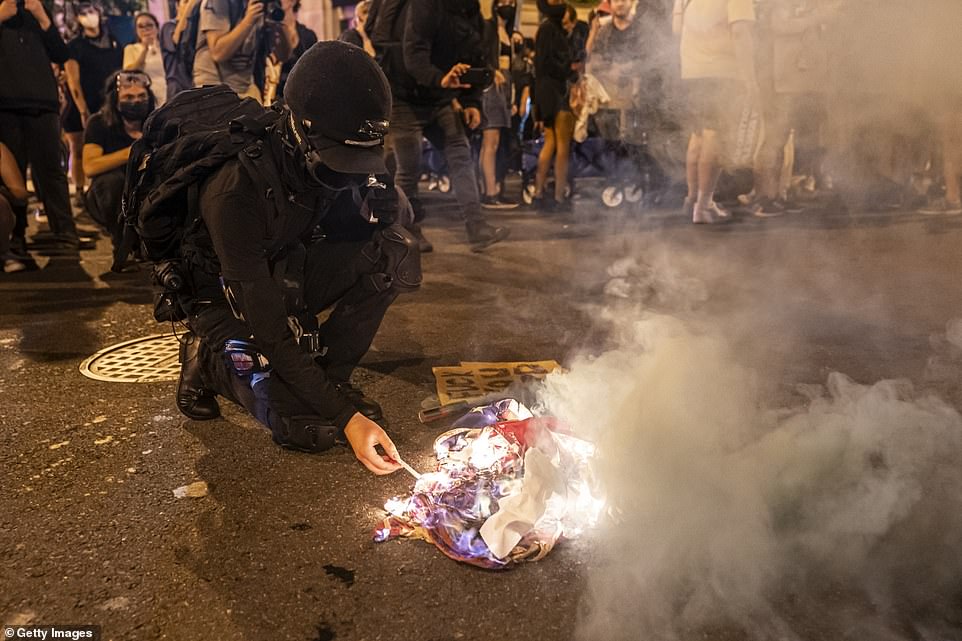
(549, 122)
(72, 124)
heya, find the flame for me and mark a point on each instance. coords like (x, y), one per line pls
(397, 506)
(480, 466)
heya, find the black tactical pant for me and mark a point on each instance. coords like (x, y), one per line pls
(333, 275)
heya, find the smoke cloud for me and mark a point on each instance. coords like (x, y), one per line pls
(734, 517)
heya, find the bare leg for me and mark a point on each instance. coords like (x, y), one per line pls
(708, 168)
(691, 166)
(952, 154)
(76, 140)
(544, 162)
(564, 130)
(489, 155)
(7, 222)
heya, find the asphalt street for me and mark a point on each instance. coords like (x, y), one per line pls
(280, 548)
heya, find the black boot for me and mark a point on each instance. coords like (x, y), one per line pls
(481, 235)
(361, 403)
(193, 399)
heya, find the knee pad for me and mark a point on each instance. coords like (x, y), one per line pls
(394, 253)
(304, 433)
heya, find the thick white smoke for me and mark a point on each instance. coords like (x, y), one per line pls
(726, 509)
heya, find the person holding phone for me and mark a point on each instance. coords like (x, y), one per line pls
(442, 62)
(233, 38)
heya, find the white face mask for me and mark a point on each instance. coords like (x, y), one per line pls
(89, 20)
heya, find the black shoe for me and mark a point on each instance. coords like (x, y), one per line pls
(545, 206)
(481, 235)
(361, 403)
(193, 399)
(65, 242)
(18, 247)
(424, 245)
(497, 202)
(791, 206)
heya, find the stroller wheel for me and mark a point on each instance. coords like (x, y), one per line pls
(612, 197)
(634, 193)
(444, 184)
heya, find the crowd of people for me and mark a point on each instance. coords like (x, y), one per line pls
(746, 81)
(76, 99)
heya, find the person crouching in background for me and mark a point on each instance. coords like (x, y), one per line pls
(110, 132)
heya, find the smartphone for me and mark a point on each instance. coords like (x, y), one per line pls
(478, 77)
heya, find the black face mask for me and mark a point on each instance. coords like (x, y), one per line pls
(133, 111)
(506, 12)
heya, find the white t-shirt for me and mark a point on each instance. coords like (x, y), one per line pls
(153, 66)
(706, 44)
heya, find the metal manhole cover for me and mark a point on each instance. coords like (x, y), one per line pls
(150, 359)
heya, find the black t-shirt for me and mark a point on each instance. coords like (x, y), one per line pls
(97, 58)
(620, 45)
(110, 139)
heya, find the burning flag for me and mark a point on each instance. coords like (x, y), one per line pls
(508, 487)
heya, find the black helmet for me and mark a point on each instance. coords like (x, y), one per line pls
(339, 102)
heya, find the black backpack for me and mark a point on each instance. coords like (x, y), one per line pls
(183, 143)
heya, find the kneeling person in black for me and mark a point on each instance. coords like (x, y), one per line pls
(108, 137)
(296, 224)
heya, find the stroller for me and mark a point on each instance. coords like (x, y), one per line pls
(643, 152)
(587, 161)
(434, 168)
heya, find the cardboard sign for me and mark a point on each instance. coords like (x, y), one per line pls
(473, 379)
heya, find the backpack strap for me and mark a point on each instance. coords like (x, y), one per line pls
(263, 175)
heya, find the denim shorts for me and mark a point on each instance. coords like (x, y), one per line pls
(495, 112)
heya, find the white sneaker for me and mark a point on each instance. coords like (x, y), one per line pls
(941, 207)
(710, 213)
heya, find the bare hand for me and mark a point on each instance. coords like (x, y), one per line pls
(472, 117)
(452, 79)
(255, 9)
(35, 7)
(499, 78)
(184, 7)
(363, 434)
(8, 9)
